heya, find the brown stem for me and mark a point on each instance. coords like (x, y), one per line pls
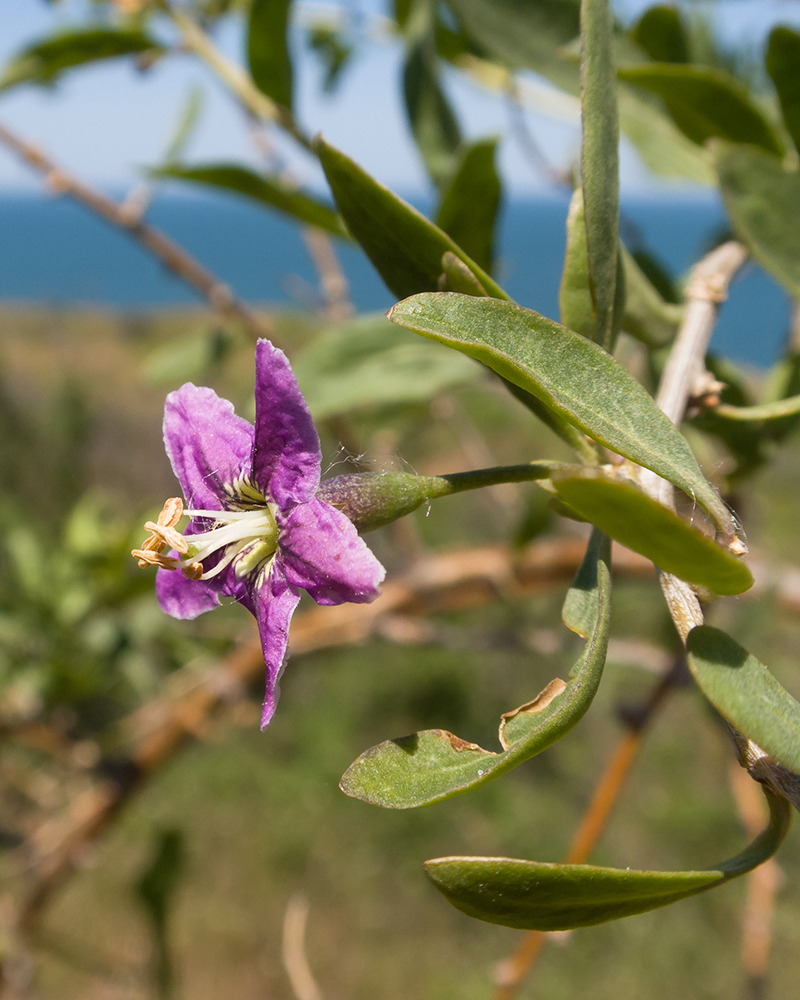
(171, 255)
(593, 822)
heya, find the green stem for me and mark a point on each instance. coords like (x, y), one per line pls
(235, 78)
(373, 499)
(767, 411)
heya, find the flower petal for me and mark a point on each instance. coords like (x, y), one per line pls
(184, 598)
(286, 456)
(207, 444)
(274, 602)
(324, 554)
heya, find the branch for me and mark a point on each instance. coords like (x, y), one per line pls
(171, 255)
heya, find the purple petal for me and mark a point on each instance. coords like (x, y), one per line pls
(274, 602)
(207, 444)
(184, 598)
(286, 456)
(323, 553)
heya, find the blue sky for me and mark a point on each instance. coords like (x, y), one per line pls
(107, 122)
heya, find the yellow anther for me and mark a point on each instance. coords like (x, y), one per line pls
(147, 557)
(193, 571)
(169, 536)
(171, 512)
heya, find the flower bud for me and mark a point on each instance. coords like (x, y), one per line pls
(372, 499)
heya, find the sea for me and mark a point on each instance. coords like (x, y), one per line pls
(55, 253)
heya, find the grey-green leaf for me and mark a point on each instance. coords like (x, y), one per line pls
(468, 210)
(434, 765)
(783, 65)
(745, 693)
(268, 52)
(367, 363)
(48, 58)
(534, 895)
(618, 507)
(271, 191)
(405, 247)
(600, 162)
(432, 119)
(660, 32)
(706, 103)
(647, 316)
(573, 376)
(574, 295)
(763, 201)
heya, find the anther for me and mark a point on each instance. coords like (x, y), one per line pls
(171, 512)
(193, 571)
(149, 558)
(174, 539)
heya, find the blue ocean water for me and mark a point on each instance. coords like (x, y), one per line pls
(53, 251)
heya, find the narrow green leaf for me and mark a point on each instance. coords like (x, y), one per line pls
(573, 376)
(271, 191)
(706, 103)
(763, 201)
(365, 364)
(468, 210)
(405, 247)
(48, 58)
(660, 32)
(433, 121)
(600, 161)
(618, 507)
(647, 316)
(783, 65)
(268, 52)
(534, 895)
(457, 277)
(574, 296)
(533, 36)
(745, 693)
(434, 765)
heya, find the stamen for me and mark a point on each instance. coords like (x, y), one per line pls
(193, 571)
(149, 558)
(171, 512)
(174, 539)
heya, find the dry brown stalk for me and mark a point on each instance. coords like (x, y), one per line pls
(219, 295)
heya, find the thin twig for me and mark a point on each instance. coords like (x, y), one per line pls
(235, 78)
(594, 820)
(332, 279)
(762, 887)
(171, 255)
(294, 950)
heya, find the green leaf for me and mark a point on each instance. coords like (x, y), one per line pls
(763, 201)
(468, 210)
(618, 507)
(365, 364)
(529, 35)
(573, 376)
(525, 34)
(660, 32)
(272, 191)
(534, 895)
(776, 410)
(706, 103)
(333, 50)
(783, 65)
(600, 162)
(647, 316)
(745, 693)
(433, 122)
(664, 149)
(48, 58)
(268, 52)
(434, 765)
(574, 296)
(405, 247)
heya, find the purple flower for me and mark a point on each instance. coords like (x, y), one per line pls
(258, 533)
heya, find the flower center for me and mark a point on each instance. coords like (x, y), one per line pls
(246, 538)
